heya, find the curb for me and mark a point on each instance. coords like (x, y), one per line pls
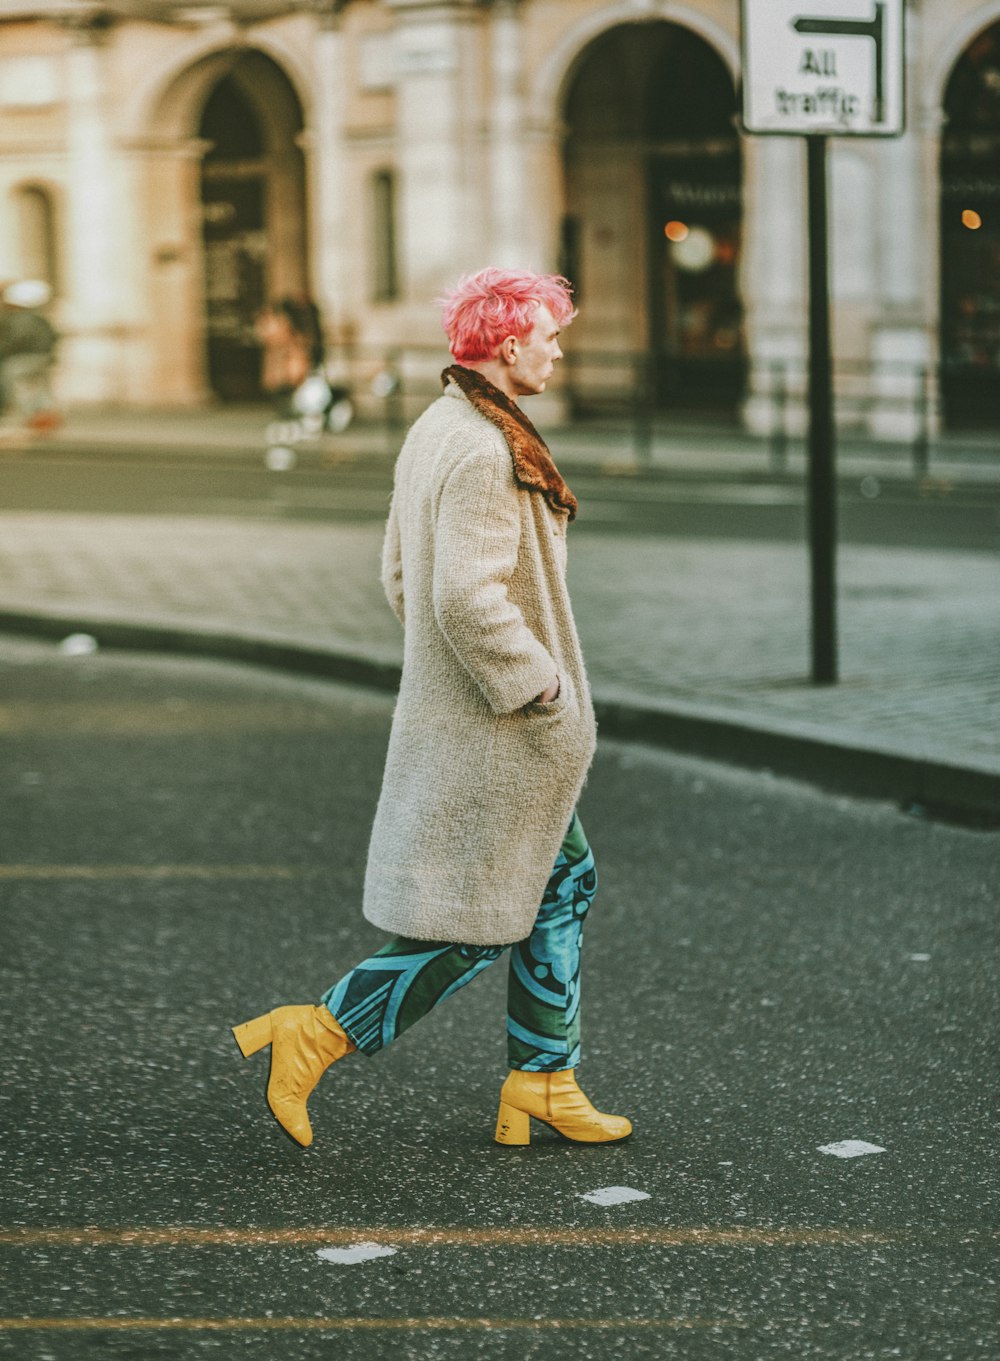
(922, 785)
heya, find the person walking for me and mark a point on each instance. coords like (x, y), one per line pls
(27, 354)
(286, 351)
(476, 844)
(308, 322)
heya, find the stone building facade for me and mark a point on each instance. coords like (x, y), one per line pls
(168, 167)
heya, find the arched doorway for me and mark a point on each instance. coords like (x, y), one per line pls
(654, 210)
(253, 214)
(970, 236)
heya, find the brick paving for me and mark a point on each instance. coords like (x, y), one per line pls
(713, 624)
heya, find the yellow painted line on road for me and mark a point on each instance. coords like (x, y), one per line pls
(159, 871)
(187, 1237)
(310, 1324)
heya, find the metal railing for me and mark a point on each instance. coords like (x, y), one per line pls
(886, 406)
(865, 396)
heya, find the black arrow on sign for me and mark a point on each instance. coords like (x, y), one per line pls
(856, 28)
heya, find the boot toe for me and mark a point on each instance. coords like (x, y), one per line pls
(607, 1130)
(293, 1120)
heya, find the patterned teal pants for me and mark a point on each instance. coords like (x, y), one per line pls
(406, 979)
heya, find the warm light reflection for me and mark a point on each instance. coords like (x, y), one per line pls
(676, 231)
(971, 219)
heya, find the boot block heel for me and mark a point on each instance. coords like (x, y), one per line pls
(253, 1035)
(513, 1126)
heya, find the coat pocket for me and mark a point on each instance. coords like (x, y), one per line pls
(551, 724)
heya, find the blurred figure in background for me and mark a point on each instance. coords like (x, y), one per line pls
(294, 373)
(287, 350)
(27, 353)
(309, 323)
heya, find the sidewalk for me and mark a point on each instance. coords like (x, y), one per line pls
(699, 644)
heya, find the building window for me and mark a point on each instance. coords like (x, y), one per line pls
(385, 273)
(35, 234)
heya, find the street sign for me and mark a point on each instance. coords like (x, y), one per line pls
(828, 68)
(819, 69)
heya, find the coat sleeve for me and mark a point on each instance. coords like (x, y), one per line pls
(392, 564)
(477, 531)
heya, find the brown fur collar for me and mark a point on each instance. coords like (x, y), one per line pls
(533, 466)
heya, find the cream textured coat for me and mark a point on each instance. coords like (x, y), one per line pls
(480, 782)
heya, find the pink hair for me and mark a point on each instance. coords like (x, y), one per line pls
(483, 309)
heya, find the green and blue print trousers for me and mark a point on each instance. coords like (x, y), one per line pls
(386, 993)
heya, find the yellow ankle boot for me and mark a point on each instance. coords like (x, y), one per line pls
(304, 1042)
(556, 1099)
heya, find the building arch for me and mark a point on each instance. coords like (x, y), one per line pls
(165, 105)
(652, 226)
(958, 37)
(549, 88)
(224, 178)
(969, 190)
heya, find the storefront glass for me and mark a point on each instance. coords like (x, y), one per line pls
(970, 237)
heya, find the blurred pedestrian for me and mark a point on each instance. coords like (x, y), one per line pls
(476, 845)
(287, 351)
(309, 323)
(27, 354)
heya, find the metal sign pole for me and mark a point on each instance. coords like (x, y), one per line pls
(822, 478)
(818, 76)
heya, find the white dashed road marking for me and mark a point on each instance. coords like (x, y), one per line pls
(358, 1252)
(850, 1148)
(613, 1195)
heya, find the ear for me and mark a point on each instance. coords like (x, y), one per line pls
(507, 352)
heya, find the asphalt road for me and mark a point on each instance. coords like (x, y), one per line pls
(934, 515)
(768, 970)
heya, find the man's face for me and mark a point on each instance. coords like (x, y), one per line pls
(534, 357)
